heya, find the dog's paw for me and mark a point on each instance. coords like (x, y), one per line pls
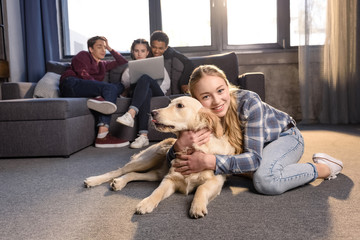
(198, 211)
(91, 182)
(117, 184)
(145, 206)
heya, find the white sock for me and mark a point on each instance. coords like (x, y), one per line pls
(102, 135)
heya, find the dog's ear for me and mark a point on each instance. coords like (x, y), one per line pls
(211, 121)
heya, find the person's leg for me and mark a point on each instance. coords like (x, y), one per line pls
(144, 90)
(143, 117)
(140, 103)
(109, 92)
(105, 102)
(144, 113)
(279, 169)
(328, 167)
(75, 87)
(142, 86)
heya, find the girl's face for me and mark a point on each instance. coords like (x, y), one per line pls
(140, 51)
(213, 93)
(98, 51)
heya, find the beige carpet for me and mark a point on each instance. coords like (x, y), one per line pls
(341, 142)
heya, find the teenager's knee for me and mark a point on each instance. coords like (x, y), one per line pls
(144, 79)
(110, 92)
(111, 88)
(267, 185)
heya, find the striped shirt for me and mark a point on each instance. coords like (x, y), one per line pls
(261, 124)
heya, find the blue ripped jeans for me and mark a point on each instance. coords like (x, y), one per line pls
(279, 169)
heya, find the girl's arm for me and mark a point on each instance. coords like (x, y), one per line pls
(165, 85)
(247, 161)
(125, 78)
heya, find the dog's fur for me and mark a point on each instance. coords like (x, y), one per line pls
(183, 113)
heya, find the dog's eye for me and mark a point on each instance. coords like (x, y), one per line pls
(179, 105)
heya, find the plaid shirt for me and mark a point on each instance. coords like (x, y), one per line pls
(261, 124)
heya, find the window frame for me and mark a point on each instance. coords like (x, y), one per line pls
(218, 13)
(64, 24)
(283, 31)
(158, 26)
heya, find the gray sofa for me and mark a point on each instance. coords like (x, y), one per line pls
(33, 127)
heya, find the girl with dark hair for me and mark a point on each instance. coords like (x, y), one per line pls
(141, 92)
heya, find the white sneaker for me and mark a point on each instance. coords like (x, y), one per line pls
(334, 164)
(126, 119)
(100, 105)
(141, 141)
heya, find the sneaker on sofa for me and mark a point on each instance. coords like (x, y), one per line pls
(100, 105)
(110, 142)
(334, 164)
(141, 141)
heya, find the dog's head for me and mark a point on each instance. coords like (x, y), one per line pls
(185, 113)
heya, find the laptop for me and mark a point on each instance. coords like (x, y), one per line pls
(154, 67)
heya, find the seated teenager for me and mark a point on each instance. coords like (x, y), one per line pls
(84, 78)
(141, 92)
(177, 65)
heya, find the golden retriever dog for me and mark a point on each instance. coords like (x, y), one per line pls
(183, 113)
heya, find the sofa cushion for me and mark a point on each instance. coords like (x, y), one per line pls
(114, 75)
(227, 62)
(16, 90)
(57, 67)
(48, 86)
(42, 109)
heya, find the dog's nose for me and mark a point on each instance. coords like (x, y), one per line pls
(154, 113)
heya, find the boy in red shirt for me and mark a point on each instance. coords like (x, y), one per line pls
(85, 77)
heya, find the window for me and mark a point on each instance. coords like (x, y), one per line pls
(316, 22)
(245, 27)
(201, 25)
(187, 26)
(120, 21)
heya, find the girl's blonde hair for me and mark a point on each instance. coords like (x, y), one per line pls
(231, 123)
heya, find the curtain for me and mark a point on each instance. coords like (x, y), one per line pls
(329, 76)
(341, 99)
(40, 31)
(310, 57)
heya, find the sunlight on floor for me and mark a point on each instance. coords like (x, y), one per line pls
(237, 190)
(317, 182)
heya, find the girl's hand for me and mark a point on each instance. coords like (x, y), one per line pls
(187, 139)
(196, 162)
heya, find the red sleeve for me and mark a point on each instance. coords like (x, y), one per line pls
(81, 64)
(119, 60)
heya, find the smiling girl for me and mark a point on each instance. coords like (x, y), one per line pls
(267, 141)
